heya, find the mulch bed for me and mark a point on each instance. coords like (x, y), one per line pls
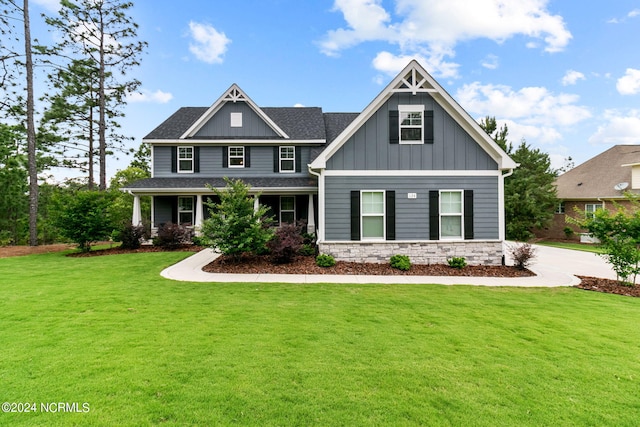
(608, 286)
(307, 265)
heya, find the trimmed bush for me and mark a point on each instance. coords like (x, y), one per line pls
(400, 262)
(171, 236)
(286, 243)
(324, 260)
(307, 249)
(130, 236)
(522, 254)
(457, 262)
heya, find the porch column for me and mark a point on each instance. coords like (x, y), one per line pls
(199, 215)
(256, 203)
(311, 217)
(136, 218)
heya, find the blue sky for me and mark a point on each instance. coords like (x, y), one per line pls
(561, 75)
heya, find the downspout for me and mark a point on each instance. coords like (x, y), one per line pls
(501, 216)
(320, 219)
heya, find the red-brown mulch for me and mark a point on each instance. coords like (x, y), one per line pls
(608, 286)
(307, 265)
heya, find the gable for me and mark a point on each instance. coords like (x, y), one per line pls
(219, 125)
(414, 81)
(371, 148)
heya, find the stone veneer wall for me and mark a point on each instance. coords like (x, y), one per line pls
(474, 252)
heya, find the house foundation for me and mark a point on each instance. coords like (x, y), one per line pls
(474, 252)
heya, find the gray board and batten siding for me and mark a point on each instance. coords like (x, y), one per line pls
(370, 149)
(253, 126)
(211, 162)
(412, 215)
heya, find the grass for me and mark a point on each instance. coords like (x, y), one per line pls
(574, 246)
(142, 350)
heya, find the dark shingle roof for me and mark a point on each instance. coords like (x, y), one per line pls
(177, 123)
(335, 123)
(202, 182)
(300, 123)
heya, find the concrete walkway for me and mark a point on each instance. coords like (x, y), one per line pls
(553, 267)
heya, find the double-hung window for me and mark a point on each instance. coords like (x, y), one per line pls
(451, 214)
(287, 209)
(287, 159)
(591, 208)
(185, 159)
(372, 214)
(185, 210)
(411, 124)
(236, 157)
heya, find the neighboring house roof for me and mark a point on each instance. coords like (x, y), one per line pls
(597, 177)
(414, 78)
(173, 184)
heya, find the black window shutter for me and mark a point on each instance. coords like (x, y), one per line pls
(355, 215)
(247, 157)
(468, 214)
(276, 159)
(196, 159)
(225, 157)
(174, 159)
(391, 215)
(298, 156)
(434, 215)
(394, 127)
(428, 127)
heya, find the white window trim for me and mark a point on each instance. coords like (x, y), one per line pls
(410, 109)
(461, 214)
(236, 157)
(592, 213)
(293, 159)
(179, 159)
(294, 209)
(185, 211)
(384, 217)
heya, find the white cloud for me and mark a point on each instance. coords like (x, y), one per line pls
(391, 64)
(530, 112)
(208, 45)
(491, 62)
(433, 28)
(634, 13)
(158, 97)
(619, 128)
(298, 105)
(629, 84)
(571, 77)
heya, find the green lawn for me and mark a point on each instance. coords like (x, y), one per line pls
(141, 350)
(586, 247)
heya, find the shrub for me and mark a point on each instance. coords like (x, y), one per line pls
(522, 254)
(286, 243)
(324, 260)
(400, 262)
(307, 249)
(235, 227)
(130, 236)
(172, 235)
(568, 232)
(457, 262)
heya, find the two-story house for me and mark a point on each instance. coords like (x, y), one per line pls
(412, 174)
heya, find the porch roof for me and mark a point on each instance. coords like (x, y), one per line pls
(199, 184)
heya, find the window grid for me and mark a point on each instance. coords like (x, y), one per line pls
(411, 124)
(236, 157)
(591, 208)
(287, 209)
(185, 210)
(287, 159)
(185, 159)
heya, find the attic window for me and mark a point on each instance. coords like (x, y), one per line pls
(236, 120)
(411, 124)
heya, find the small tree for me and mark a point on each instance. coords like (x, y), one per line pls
(619, 236)
(234, 226)
(85, 217)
